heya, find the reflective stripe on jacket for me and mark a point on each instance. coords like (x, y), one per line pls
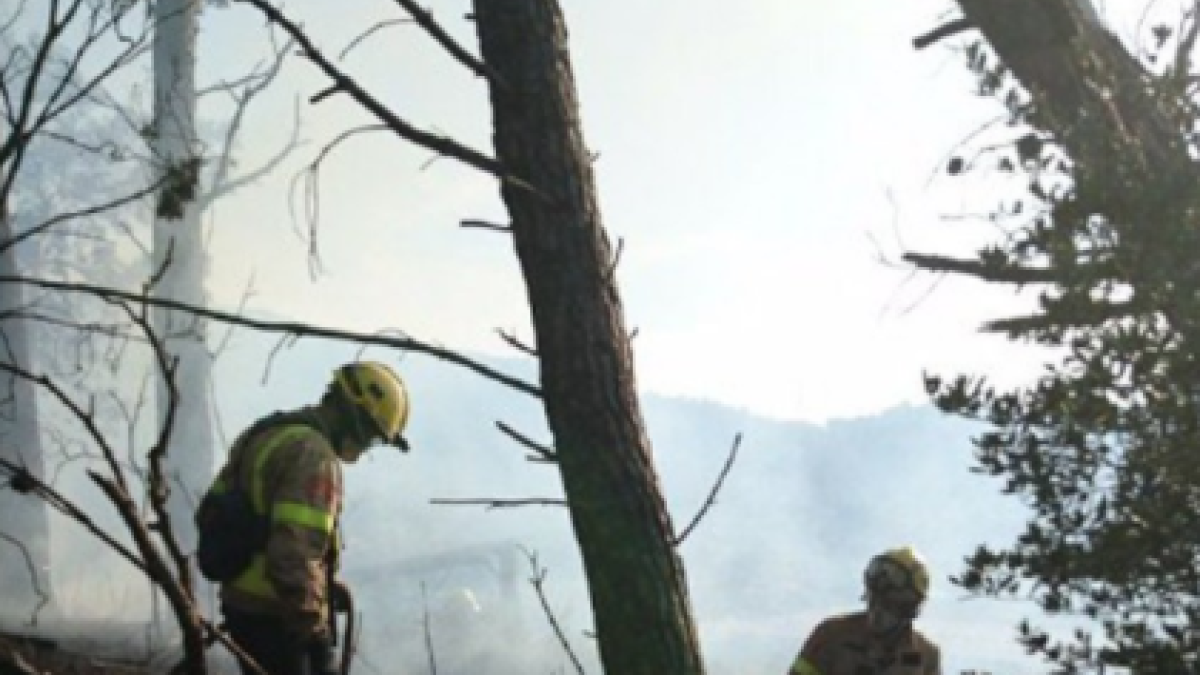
(294, 478)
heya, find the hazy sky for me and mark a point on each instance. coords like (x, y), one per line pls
(764, 165)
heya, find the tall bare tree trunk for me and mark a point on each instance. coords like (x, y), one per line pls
(639, 593)
(178, 242)
(24, 519)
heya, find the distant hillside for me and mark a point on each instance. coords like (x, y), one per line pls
(802, 510)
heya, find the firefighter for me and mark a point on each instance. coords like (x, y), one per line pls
(278, 608)
(880, 640)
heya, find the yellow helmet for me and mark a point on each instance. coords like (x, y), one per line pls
(379, 392)
(898, 569)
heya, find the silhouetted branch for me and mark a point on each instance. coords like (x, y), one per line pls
(712, 495)
(975, 268)
(941, 32)
(343, 83)
(485, 225)
(539, 578)
(512, 341)
(425, 19)
(544, 453)
(287, 328)
(501, 503)
(428, 631)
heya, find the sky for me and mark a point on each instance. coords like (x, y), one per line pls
(763, 169)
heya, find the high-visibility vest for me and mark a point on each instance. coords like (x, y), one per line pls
(254, 579)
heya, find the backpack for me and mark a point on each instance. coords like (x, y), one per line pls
(230, 531)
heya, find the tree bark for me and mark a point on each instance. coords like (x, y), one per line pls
(179, 243)
(24, 581)
(1086, 88)
(639, 595)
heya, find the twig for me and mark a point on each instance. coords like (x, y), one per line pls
(539, 578)
(544, 452)
(512, 341)
(712, 495)
(425, 19)
(428, 631)
(343, 83)
(501, 503)
(941, 32)
(485, 225)
(286, 328)
(44, 491)
(368, 33)
(34, 577)
(159, 487)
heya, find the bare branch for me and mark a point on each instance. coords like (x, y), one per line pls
(712, 495)
(428, 632)
(159, 487)
(34, 580)
(512, 341)
(537, 580)
(501, 503)
(545, 453)
(485, 225)
(425, 19)
(368, 33)
(82, 213)
(941, 32)
(975, 268)
(56, 500)
(343, 83)
(286, 328)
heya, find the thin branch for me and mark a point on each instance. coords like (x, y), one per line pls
(159, 487)
(82, 213)
(34, 578)
(85, 417)
(343, 83)
(368, 33)
(501, 503)
(512, 341)
(942, 32)
(712, 495)
(537, 580)
(1009, 274)
(287, 328)
(485, 225)
(425, 19)
(428, 632)
(544, 452)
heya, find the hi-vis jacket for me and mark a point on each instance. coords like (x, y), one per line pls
(843, 645)
(294, 477)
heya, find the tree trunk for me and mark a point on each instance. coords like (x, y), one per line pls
(1125, 133)
(639, 596)
(1091, 93)
(24, 582)
(180, 237)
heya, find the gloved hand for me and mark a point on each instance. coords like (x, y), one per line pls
(322, 656)
(339, 596)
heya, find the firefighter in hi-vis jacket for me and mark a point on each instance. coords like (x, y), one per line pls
(277, 609)
(880, 640)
